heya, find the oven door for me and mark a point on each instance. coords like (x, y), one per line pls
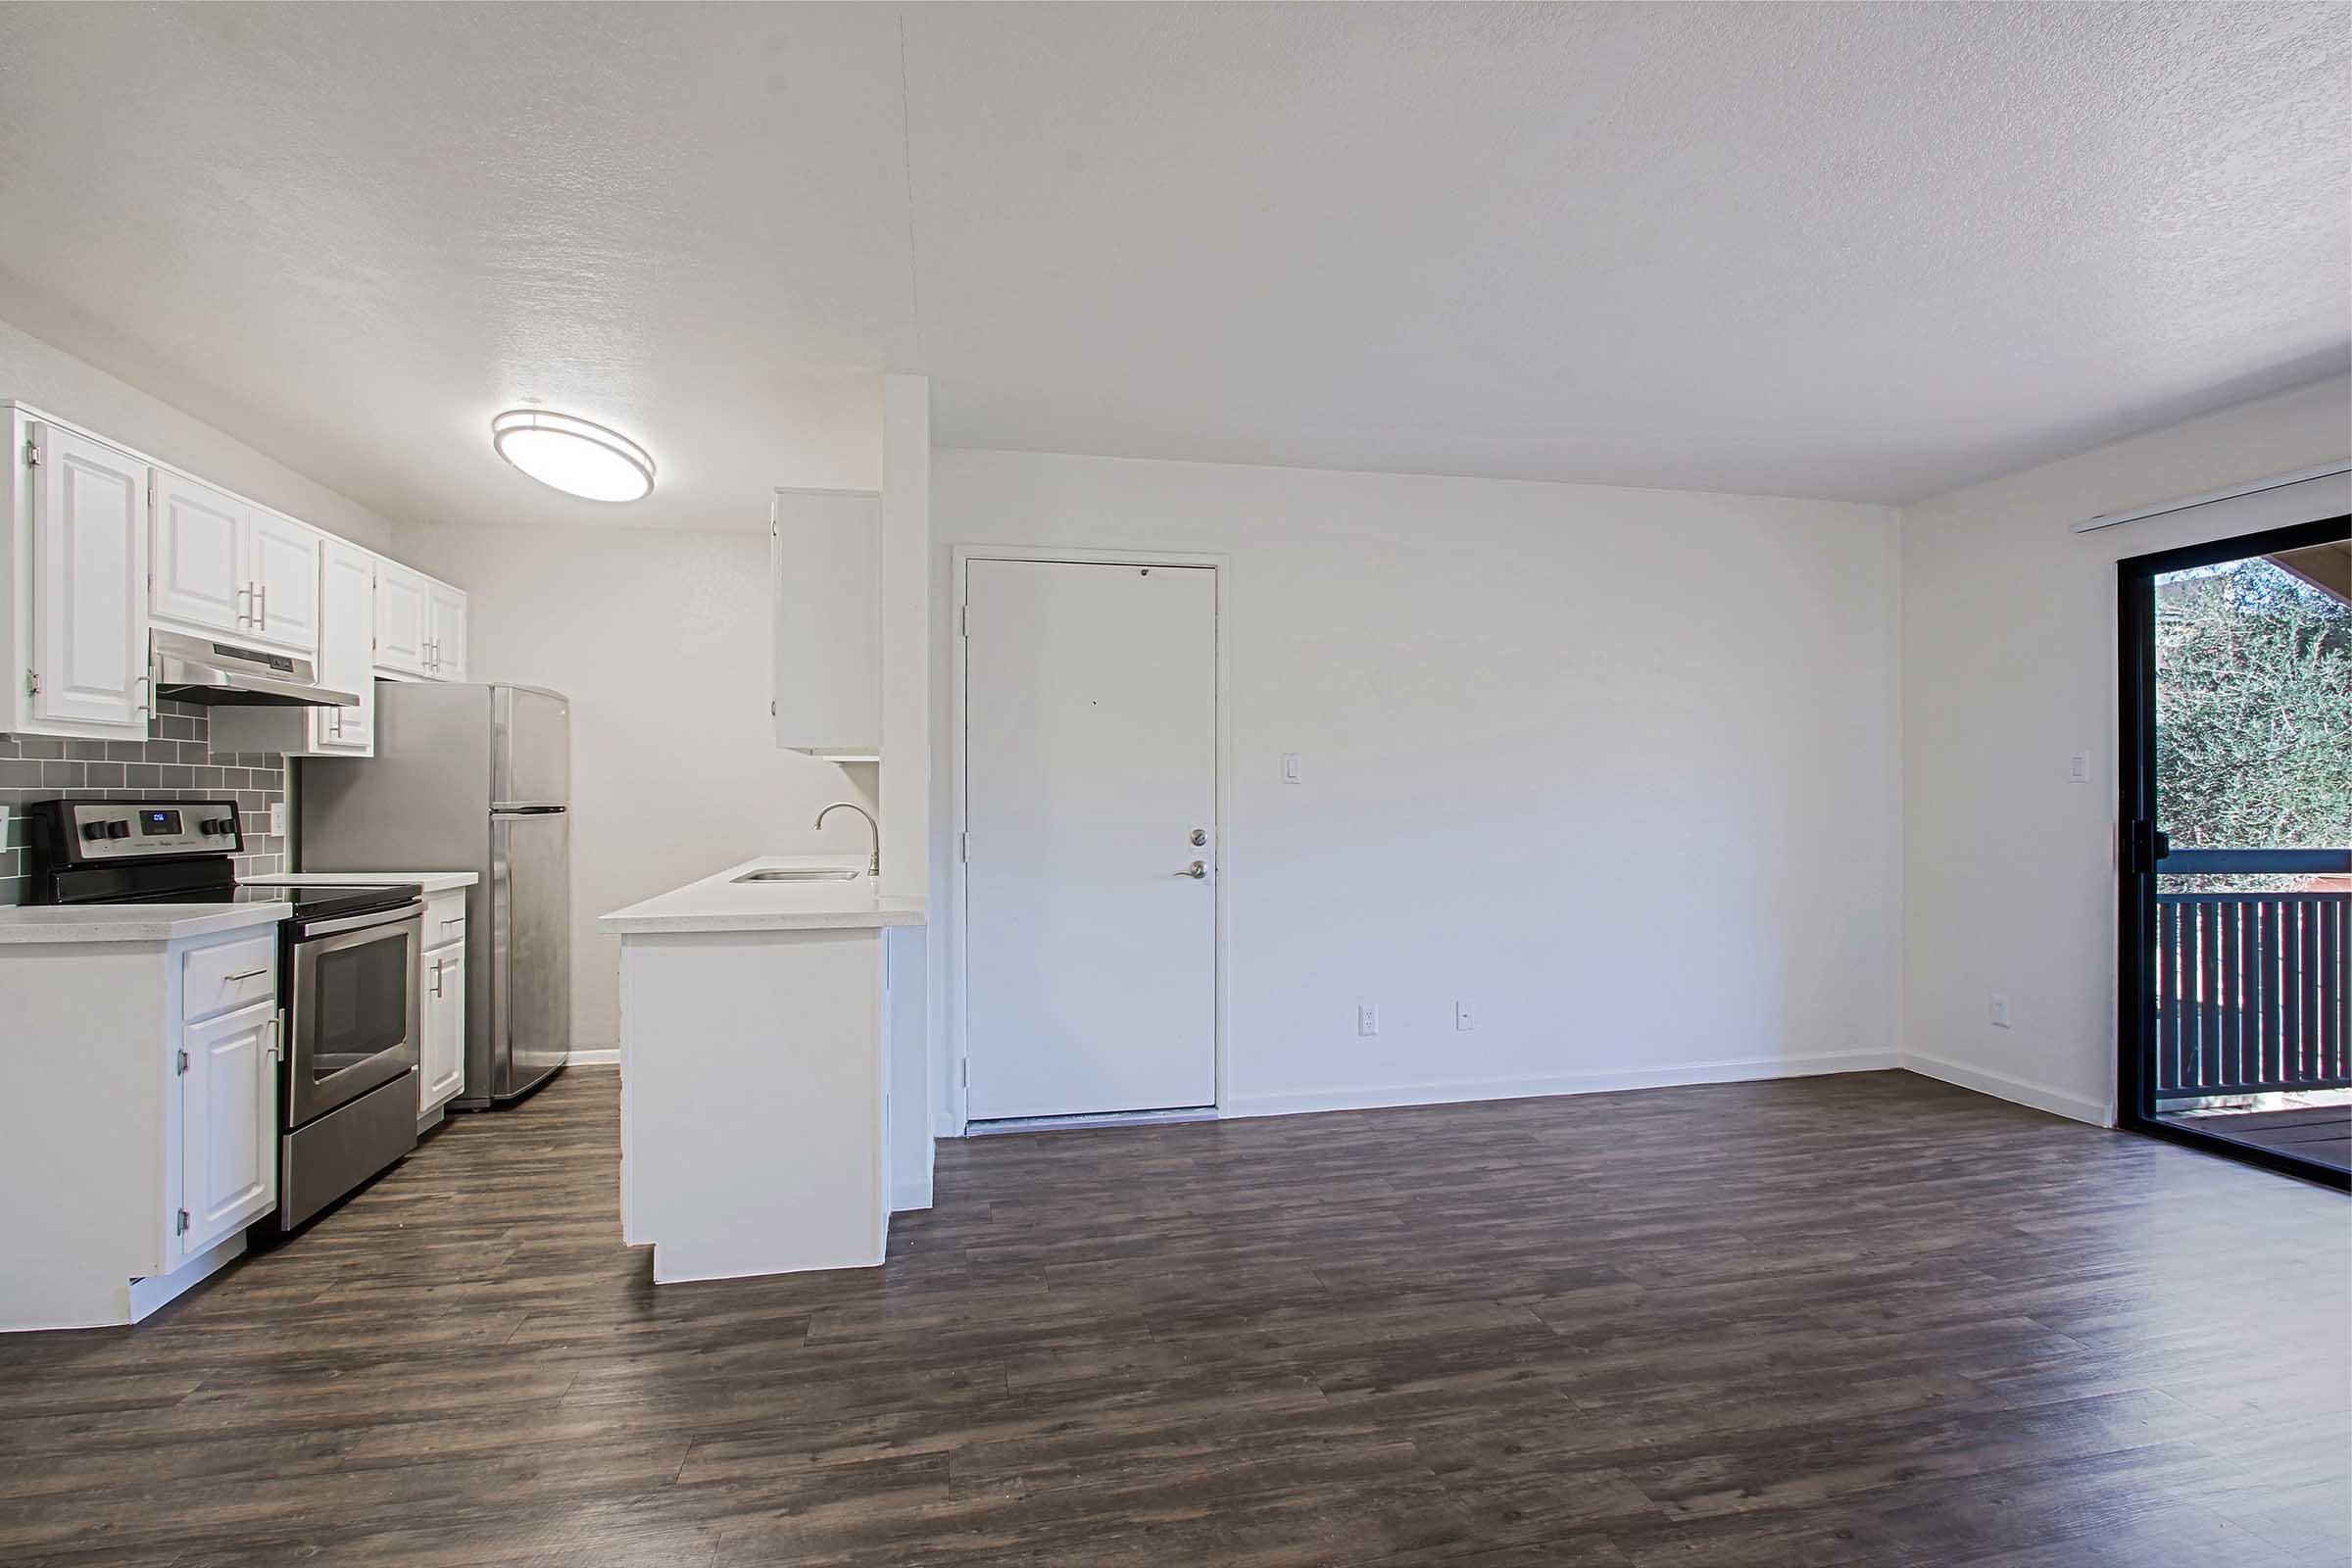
(353, 1015)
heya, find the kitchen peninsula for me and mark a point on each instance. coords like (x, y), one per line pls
(755, 1069)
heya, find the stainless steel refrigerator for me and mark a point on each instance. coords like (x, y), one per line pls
(469, 778)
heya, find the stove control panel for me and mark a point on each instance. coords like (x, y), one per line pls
(124, 830)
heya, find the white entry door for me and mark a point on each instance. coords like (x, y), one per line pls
(1091, 764)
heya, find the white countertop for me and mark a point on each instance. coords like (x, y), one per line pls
(431, 881)
(131, 922)
(718, 903)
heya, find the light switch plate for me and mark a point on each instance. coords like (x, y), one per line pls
(277, 820)
(1465, 1016)
(1290, 767)
(2077, 767)
(1996, 1008)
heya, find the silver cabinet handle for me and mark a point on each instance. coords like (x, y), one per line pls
(1197, 870)
(247, 974)
(278, 1036)
(261, 595)
(436, 977)
(244, 597)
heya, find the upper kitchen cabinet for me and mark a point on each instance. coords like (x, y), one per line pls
(224, 565)
(346, 663)
(403, 625)
(825, 580)
(419, 625)
(445, 617)
(75, 599)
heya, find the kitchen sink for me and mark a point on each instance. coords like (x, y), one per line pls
(801, 873)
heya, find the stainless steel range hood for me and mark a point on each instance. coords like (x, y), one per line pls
(197, 670)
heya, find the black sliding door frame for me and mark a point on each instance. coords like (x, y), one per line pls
(2139, 843)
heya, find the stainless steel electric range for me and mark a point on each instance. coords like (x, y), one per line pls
(346, 975)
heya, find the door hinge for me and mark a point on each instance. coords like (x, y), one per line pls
(184, 1065)
(771, 709)
(963, 622)
(963, 849)
(33, 683)
(32, 452)
(967, 1072)
(181, 1229)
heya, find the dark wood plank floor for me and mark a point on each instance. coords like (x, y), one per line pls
(1867, 1319)
(2320, 1134)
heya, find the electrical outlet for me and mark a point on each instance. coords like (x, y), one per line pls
(1996, 1008)
(1465, 1016)
(277, 820)
(1367, 1018)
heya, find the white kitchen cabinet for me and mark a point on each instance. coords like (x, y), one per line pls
(826, 607)
(445, 619)
(78, 612)
(222, 564)
(285, 556)
(138, 1104)
(441, 1053)
(197, 555)
(98, 542)
(346, 649)
(227, 1070)
(403, 620)
(346, 663)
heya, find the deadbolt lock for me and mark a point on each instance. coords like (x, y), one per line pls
(1200, 837)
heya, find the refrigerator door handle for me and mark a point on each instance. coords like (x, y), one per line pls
(514, 809)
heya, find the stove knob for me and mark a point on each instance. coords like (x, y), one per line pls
(94, 830)
(117, 829)
(223, 825)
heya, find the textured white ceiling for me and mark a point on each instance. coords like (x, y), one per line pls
(1846, 250)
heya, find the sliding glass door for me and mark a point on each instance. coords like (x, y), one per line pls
(2236, 873)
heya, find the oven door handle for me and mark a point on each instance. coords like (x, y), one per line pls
(359, 922)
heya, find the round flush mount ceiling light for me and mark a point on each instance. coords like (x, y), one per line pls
(572, 455)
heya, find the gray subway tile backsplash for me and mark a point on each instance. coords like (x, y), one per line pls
(175, 762)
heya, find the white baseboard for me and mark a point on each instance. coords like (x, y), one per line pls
(2016, 1091)
(607, 1057)
(148, 1295)
(1580, 1083)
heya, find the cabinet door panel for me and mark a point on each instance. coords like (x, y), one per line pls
(448, 650)
(89, 562)
(346, 649)
(285, 576)
(229, 1137)
(201, 574)
(401, 619)
(441, 1064)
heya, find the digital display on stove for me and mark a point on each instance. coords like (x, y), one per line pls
(154, 822)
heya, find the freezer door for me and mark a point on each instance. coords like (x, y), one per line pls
(533, 748)
(530, 998)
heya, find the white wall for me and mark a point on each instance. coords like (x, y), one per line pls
(660, 639)
(2008, 668)
(1619, 765)
(34, 372)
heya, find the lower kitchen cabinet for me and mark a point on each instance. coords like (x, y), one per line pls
(441, 1050)
(138, 1106)
(227, 1070)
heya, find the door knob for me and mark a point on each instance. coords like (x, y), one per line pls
(1200, 837)
(1197, 870)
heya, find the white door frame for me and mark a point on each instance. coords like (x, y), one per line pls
(1220, 567)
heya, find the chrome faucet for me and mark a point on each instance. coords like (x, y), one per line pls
(873, 865)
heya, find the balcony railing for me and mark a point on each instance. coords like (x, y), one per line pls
(2250, 987)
